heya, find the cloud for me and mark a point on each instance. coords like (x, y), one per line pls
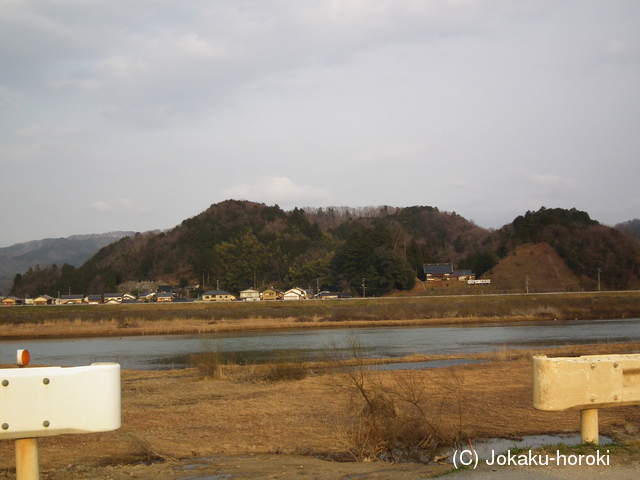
(148, 57)
(280, 190)
(100, 206)
(550, 186)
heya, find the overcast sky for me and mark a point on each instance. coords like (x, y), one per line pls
(134, 115)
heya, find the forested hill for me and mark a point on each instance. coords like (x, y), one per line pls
(584, 244)
(237, 245)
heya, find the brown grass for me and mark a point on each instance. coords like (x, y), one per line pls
(179, 414)
(120, 320)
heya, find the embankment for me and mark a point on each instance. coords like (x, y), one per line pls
(189, 318)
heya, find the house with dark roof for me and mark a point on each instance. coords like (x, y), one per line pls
(93, 299)
(43, 300)
(12, 301)
(70, 300)
(217, 296)
(332, 295)
(441, 272)
(164, 297)
(112, 298)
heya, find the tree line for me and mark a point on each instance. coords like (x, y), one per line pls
(237, 245)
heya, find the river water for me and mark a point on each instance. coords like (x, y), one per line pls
(171, 351)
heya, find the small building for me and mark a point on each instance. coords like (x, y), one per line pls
(93, 299)
(250, 295)
(147, 296)
(70, 300)
(217, 296)
(164, 297)
(165, 289)
(295, 294)
(333, 295)
(442, 272)
(111, 298)
(43, 300)
(270, 294)
(12, 301)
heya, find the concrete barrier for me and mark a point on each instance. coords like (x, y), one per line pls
(47, 401)
(586, 383)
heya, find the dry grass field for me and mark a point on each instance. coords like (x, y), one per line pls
(327, 423)
(194, 318)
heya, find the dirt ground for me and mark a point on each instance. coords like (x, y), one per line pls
(177, 425)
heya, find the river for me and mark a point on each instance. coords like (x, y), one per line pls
(171, 351)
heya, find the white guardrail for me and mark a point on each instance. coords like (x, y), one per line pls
(586, 383)
(47, 401)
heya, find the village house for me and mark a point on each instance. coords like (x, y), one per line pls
(164, 297)
(250, 295)
(111, 298)
(270, 294)
(333, 295)
(442, 272)
(93, 299)
(43, 300)
(295, 294)
(70, 300)
(147, 296)
(217, 296)
(11, 301)
(165, 289)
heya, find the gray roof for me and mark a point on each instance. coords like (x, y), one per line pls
(438, 268)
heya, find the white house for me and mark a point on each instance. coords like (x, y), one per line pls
(295, 294)
(250, 295)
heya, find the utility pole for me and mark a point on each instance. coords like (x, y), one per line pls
(364, 289)
(526, 282)
(599, 270)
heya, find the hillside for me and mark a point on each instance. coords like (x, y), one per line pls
(584, 244)
(238, 244)
(74, 250)
(234, 245)
(545, 269)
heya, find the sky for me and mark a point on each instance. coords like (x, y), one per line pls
(120, 115)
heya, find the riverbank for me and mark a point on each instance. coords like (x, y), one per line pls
(196, 318)
(183, 425)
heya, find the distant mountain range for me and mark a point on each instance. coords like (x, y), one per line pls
(74, 250)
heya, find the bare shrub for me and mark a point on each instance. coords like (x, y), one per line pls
(209, 364)
(288, 365)
(397, 415)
